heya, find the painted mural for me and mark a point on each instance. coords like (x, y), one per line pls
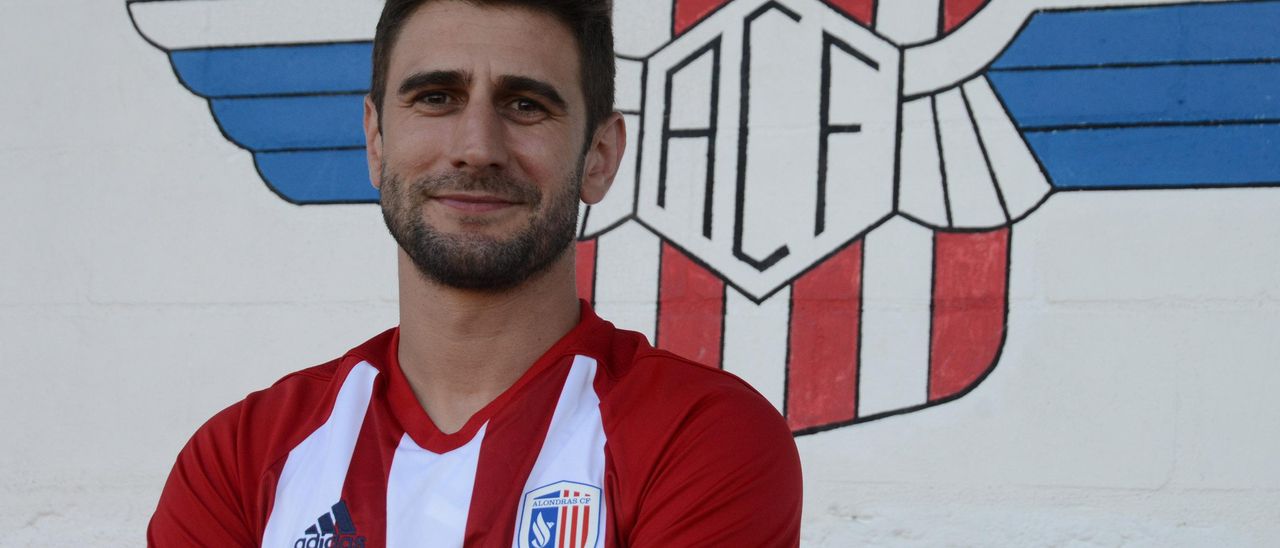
(818, 196)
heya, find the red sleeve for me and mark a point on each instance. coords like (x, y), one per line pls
(201, 504)
(720, 467)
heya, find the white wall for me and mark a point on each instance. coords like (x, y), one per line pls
(148, 278)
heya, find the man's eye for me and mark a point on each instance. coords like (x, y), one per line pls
(434, 98)
(527, 106)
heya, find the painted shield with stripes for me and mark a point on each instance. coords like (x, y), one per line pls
(817, 195)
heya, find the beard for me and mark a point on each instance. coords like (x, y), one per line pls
(473, 261)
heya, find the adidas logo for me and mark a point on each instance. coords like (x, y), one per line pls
(332, 530)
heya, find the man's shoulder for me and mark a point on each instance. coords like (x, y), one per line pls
(270, 421)
(295, 391)
(311, 390)
(286, 402)
(697, 453)
(657, 392)
(634, 367)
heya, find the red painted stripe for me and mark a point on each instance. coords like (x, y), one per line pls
(689, 12)
(970, 296)
(956, 12)
(690, 308)
(365, 489)
(822, 368)
(585, 262)
(511, 445)
(862, 11)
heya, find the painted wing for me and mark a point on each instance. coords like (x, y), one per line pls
(285, 80)
(1164, 95)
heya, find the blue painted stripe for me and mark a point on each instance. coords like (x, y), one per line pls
(318, 176)
(1197, 93)
(274, 123)
(1157, 34)
(275, 70)
(1184, 156)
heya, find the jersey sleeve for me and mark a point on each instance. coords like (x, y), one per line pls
(201, 504)
(730, 476)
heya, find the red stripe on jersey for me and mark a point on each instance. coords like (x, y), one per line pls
(564, 518)
(512, 442)
(862, 11)
(586, 524)
(586, 269)
(689, 12)
(822, 368)
(573, 531)
(366, 487)
(956, 12)
(969, 303)
(690, 308)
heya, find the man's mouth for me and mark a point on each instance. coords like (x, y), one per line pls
(474, 203)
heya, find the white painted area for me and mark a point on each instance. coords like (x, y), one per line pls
(312, 478)
(921, 193)
(627, 260)
(148, 279)
(1022, 184)
(897, 283)
(639, 29)
(908, 21)
(755, 341)
(429, 494)
(940, 64)
(629, 85)
(971, 192)
(180, 24)
(691, 93)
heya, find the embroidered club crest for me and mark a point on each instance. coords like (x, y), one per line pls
(564, 514)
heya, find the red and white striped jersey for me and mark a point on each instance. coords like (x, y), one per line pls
(604, 441)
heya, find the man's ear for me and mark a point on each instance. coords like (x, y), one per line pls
(603, 157)
(373, 141)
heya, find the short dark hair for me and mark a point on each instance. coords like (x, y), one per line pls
(590, 22)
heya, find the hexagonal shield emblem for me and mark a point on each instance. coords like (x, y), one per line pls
(777, 120)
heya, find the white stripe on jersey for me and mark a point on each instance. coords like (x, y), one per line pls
(897, 289)
(573, 449)
(313, 476)
(429, 494)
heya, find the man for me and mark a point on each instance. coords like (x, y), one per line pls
(501, 411)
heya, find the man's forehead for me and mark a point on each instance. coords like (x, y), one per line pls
(497, 39)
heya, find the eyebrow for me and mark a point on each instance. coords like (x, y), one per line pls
(442, 78)
(462, 79)
(524, 84)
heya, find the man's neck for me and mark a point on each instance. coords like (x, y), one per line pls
(460, 349)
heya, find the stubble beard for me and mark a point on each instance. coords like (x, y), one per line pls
(472, 261)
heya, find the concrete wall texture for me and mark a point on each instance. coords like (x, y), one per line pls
(1035, 304)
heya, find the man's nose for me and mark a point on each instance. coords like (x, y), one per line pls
(479, 139)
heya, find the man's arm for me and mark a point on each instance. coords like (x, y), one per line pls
(201, 504)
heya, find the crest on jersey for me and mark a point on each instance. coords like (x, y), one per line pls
(818, 195)
(564, 514)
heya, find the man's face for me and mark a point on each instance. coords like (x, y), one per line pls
(478, 154)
